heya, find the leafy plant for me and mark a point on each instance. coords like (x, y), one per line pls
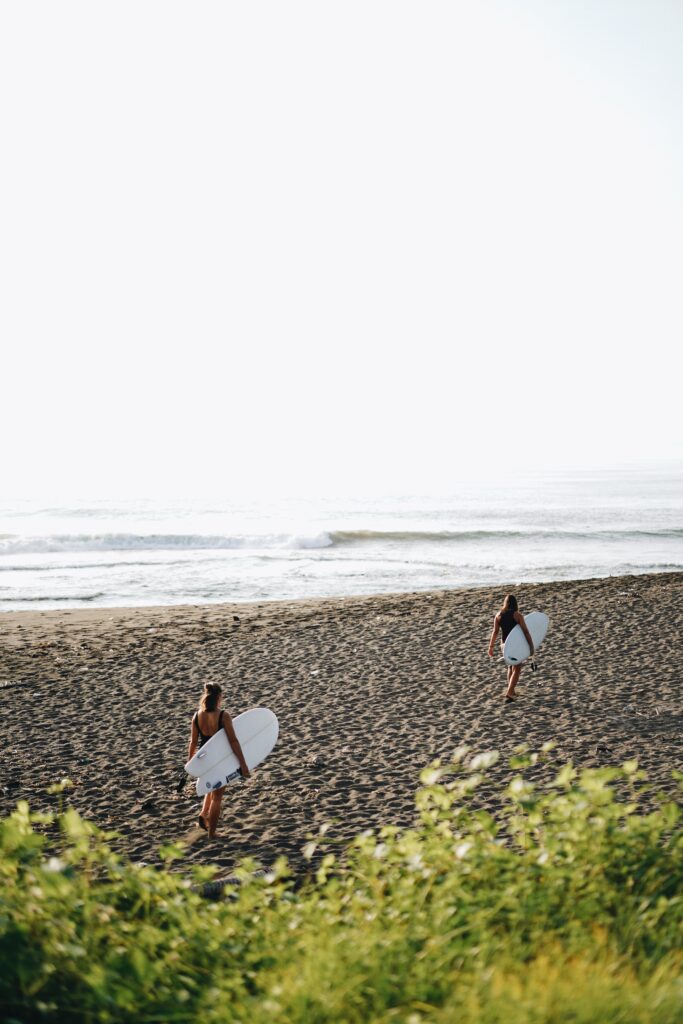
(565, 906)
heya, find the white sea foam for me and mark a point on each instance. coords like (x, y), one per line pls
(63, 543)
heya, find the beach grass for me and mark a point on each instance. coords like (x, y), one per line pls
(565, 906)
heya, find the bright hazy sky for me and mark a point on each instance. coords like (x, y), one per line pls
(340, 245)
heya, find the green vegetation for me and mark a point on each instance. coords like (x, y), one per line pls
(567, 906)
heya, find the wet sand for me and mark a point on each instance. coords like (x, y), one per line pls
(368, 691)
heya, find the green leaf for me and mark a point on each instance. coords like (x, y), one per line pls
(565, 776)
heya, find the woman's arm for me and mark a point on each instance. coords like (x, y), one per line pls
(235, 744)
(194, 740)
(520, 622)
(494, 634)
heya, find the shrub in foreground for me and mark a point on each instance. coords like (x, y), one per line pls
(567, 905)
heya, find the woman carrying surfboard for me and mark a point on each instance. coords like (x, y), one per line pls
(505, 621)
(206, 722)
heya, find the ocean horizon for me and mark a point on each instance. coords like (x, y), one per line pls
(133, 552)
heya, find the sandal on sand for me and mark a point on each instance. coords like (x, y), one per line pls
(201, 823)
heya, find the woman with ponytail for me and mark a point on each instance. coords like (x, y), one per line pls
(206, 722)
(505, 621)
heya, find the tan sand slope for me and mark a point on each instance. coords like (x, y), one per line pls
(367, 690)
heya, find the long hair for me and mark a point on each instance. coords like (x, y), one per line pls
(510, 603)
(209, 699)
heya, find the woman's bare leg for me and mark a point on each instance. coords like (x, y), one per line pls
(214, 811)
(204, 813)
(513, 679)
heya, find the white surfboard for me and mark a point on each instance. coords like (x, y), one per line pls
(516, 649)
(216, 765)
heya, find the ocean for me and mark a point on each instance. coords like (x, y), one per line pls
(109, 553)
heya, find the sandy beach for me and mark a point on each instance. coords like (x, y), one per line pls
(367, 691)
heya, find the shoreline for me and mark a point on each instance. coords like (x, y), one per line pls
(118, 611)
(368, 691)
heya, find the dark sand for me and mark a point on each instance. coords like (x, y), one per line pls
(367, 690)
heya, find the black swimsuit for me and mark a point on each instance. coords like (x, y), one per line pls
(507, 623)
(202, 738)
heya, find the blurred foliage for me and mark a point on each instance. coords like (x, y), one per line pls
(565, 906)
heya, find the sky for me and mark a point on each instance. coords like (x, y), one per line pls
(270, 248)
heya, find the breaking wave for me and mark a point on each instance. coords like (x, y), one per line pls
(63, 543)
(156, 542)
